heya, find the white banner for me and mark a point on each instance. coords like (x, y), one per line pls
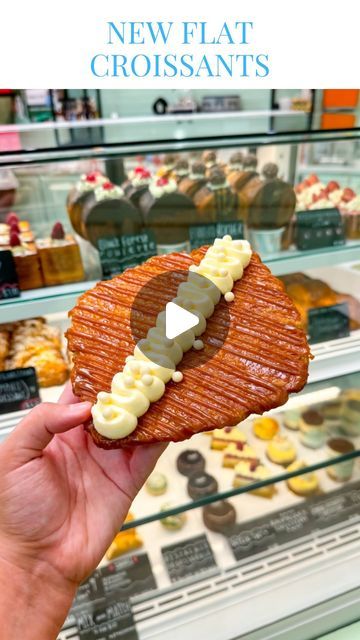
(185, 44)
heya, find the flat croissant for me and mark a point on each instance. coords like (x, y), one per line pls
(264, 356)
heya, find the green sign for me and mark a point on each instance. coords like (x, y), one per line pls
(201, 234)
(118, 253)
(328, 323)
(319, 228)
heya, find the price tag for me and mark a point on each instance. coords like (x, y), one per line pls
(109, 620)
(118, 253)
(201, 234)
(289, 524)
(9, 285)
(188, 558)
(329, 323)
(319, 228)
(19, 389)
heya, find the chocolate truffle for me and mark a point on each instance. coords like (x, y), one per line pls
(190, 461)
(219, 516)
(201, 484)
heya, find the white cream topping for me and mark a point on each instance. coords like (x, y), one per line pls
(108, 194)
(153, 363)
(84, 185)
(196, 176)
(216, 187)
(158, 190)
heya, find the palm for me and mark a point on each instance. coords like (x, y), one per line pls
(66, 505)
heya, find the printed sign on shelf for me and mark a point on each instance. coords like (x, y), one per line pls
(9, 285)
(118, 253)
(189, 557)
(319, 228)
(19, 389)
(202, 234)
(328, 323)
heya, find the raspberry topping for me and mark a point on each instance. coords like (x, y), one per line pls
(14, 239)
(11, 217)
(58, 232)
(108, 186)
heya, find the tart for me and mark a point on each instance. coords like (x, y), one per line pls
(264, 355)
(156, 485)
(302, 485)
(265, 428)
(281, 451)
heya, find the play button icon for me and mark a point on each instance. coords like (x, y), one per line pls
(178, 320)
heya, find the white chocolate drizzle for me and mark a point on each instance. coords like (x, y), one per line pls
(153, 363)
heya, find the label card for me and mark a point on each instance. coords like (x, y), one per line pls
(9, 285)
(188, 558)
(201, 234)
(110, 620)
(328, 323)
(319, 228)
(118, 253)
(289, 524)
(19, 389)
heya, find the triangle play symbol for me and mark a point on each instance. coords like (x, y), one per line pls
(178, 320)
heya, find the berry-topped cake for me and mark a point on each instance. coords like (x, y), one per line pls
(137, 184)
(239, 177)
(217, 201)
(79, 194)
(27, 263)
(60, 257)
(194, 181)
(168, 213)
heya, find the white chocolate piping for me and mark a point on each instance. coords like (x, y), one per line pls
(153, 363)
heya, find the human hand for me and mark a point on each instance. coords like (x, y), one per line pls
(62, 499)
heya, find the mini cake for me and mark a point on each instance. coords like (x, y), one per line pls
(221, 438)
(79, 194)
(235, 453)
(332, 412)
(351, 417)
(109, 213)
(302, 485)
(209, 159)
(175, 522)
(235, 165)
(351, 216)
(241, 177)
(201, 484)
(281, 450)
(312, 429)
(270, 202)
(137, 184)
(217, 202)
(156, 485)
(166, 170)
(60, 257)
(292, 419)
(190, 461)
(341, 471)
(265, 428)
(124, 541)
(181, 170)
(12, 217)
(219, 516)
(195, 181)
(27, 263)
(245, 475)
(169, 214)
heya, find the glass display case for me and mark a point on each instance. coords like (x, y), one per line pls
(264, 543)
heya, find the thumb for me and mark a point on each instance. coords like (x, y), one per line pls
(38, 428)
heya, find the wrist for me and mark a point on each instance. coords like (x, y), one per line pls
(36, 599)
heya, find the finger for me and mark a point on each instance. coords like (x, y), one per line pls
(67, 396)
(38, 428)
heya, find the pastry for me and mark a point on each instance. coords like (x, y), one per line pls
(341, 471)
(265, 428)
(245, 475)
(292, 419)
(124, 541)
(264, 356)
(137, 184)
(235, 453)
(219, 516)
(270, 201)
(4, 346)
(302, 485)
(156, 485)
(332, 412)
(235, 164)
(201, 484)
(190, 461)
(109, 213)
(194, 181)
(181, 170)
(79, 194)
(217, 202)
(34, 344)
(312, 429)
(175, 522)
(239, 179)
(281, 450)
(166, 170)
(209, 159)
(351, 417)
(27, 263)
(221, 438)
(169, 214)
(60, 257)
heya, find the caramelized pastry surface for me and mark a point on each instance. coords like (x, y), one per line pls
(263, 358)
